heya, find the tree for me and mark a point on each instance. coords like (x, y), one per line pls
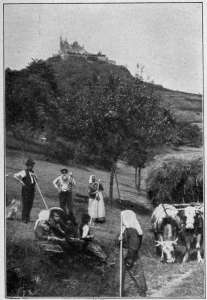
(137, 156)
(31, 96)
(153, 126)
(117, 116)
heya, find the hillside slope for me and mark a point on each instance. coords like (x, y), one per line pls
(74, 75)
(76, 72)
(186, 107)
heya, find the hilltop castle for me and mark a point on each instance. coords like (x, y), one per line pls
(75, 49)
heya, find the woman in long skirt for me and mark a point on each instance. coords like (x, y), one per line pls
(96, 207)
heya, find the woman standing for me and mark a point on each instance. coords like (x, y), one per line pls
(133, 273)
(96, 207)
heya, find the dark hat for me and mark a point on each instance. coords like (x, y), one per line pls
(30, 162)
(64, 170)
(57, 210)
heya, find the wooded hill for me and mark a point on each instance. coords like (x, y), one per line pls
(62, 99)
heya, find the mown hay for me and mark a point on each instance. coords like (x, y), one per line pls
(176, 181)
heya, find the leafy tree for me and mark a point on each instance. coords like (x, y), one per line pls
(137, 156)
(116, 116)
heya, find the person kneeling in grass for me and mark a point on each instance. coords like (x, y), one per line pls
(91, 246)
(48, 230)
(57, 232)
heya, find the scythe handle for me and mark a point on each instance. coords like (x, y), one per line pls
(121, 262)
(45, 204)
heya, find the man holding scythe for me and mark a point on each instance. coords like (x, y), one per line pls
(27, 178)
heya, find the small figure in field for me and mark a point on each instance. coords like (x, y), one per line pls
(64, 184)
(133, 273)
(27, 178)
(96, 207)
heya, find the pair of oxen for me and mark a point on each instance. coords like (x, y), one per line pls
(178, 226)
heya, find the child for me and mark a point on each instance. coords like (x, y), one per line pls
(91, 246)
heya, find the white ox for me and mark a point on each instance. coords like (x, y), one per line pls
(165, 223)
(192, 230)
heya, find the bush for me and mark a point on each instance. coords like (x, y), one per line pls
(189, 135)
(176, 181)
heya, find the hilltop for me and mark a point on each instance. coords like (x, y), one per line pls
(186, 106)
(68, 91)
(74, 69)
(77, 71)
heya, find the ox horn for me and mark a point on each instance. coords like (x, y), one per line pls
(158, 243)
(175, 241)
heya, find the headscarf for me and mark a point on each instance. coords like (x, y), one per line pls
(43, 216)
(91, 179)
(129, 220)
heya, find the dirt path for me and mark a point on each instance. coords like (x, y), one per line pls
(169, 288)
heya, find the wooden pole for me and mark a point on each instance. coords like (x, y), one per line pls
(45, 204)
(111, 184)
(121, 261)
(117, 185)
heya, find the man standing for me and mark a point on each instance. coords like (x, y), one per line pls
(28, 179)
(64, 185)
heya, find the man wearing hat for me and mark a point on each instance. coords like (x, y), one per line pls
(27, 178)
(64, 184)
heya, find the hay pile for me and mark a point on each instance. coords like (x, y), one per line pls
(176, 181)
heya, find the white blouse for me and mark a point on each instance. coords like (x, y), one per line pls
(85, 231)
(22, 174)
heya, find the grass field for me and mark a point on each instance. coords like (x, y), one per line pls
(186, 107)
(73, 276)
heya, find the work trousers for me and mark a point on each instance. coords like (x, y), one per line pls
(66, 201)
(133, 280)
(27, 202)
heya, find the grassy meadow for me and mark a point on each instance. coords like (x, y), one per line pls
(75, 276)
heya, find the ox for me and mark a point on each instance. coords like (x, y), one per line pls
(191, 232)
(165, 225)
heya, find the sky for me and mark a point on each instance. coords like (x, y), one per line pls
(165, 38)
